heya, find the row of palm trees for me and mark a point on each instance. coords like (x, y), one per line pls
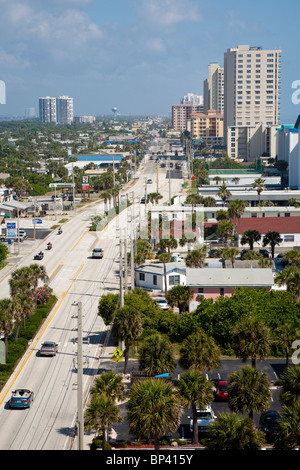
(154, 407)
(23, 300)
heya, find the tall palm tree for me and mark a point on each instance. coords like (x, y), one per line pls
(165, 258)
(232, 253)
(179, 296)
(259, 186)
(154, 409)
(249, 391)
(196, 258)
(233, 432)
(100, 414)
(251, 339)
(290, 277)
(250, 237)
(272, 239)
(287, 436)
(156, 355)
(224, 193)
(290, 386)
(127, 327)
(196, 391)
(110, 384)
(199, 351)
(6, 321)
(225, 230)
(284, 336)
(236, 208)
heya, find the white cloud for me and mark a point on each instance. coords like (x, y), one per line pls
(170, 12)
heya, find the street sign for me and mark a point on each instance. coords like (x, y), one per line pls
(11, 230)
(37, 221)
(85, 186)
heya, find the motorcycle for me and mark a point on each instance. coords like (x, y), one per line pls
(49, 246)
(59, 231)
(39, 256)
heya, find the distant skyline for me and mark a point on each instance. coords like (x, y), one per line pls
(140, 56)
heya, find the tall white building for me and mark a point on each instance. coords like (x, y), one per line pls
(47, 109)
(251, 86)
(193, 99)
(213, 89)
(64, 109)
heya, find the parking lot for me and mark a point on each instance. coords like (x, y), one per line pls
(272, 367)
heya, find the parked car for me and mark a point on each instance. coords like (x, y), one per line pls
(176, 257)
(162, 303)
(97, 253)
(268, 422)
(49, 348)
(242, 254)
(21, 398)
(143, 200)
(281, 260)
(213, 253)
(264, 253)
(222, 390)
(149, 181)
(205, 417)
(22, 234)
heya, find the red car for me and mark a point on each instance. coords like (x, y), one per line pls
(222, 390)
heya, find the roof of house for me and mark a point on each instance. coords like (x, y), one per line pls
(158, 268)
(233, 277)
(270, 224)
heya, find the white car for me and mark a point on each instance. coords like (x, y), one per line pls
(205, 417)
(162, 303)
(176, 257)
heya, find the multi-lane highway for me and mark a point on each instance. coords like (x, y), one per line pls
(74, 277)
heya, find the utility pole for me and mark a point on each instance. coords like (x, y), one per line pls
(157, 177)
(121, 275)
(73, 183)
(169, 180)
(132, 255)
(125, 262)
(79, 380)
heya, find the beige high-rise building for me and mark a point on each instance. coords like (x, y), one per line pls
(251, 87)
(208, 125)
(181, 113)
(213, 89)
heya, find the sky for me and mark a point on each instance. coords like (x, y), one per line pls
(140, 56)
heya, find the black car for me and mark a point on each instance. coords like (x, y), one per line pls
(242, 254)
(264, 253)
(268, 422)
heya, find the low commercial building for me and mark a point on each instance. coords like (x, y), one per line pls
(211, 283)
(151, 276)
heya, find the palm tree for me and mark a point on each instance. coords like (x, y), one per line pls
(272, 239)
(100, 414)
(290, 277)
(249, 391)
(236, 208)
(232, 253)
(127, 327)
(196, 258)
(110, 384)
(284, 336)
(199, 351)
(225, 229)
(179, 296)
(251, 339)
(250, 237)
(223, 254)
(156, 355)
(153, 410)
(289, 382)
(293, 256)
(233, 432)
(224, 193)
(196, 391)
(165, 258)
(6, 321)
(287, 436)
(259, 186)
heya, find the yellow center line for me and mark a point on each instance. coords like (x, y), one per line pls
(43, 331)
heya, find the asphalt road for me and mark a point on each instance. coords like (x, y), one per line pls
(74, 277)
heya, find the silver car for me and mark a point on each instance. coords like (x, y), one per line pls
(49, 348)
